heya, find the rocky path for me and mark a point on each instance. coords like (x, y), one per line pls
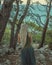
(43, 57)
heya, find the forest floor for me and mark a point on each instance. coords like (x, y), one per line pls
(43, 57)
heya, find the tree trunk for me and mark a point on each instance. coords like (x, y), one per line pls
(45, 27)
(13, 26)
(12, 35)
(4, 17)
(20, 22)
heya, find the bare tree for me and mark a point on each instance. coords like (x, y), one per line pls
(4, 16)
(37, 18)
(13, 25)
(46, 25)
(20, 22)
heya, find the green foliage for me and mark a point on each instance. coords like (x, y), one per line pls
(36, 36)
(6, 37)
(48, 37)
(48, 40)
(34, 26)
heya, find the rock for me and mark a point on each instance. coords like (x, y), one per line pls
(5, 49)
(43, 49)
(11, 50)
(35, 45)
(0, 64)
(51, 52)
(2, 52)
(42, 57)
(37, 51)
(50, 58)
(7, 62)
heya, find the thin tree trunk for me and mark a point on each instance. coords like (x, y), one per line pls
(20, 22)
(12, 35)
(45, 27)
(4, 17)
(13, 26)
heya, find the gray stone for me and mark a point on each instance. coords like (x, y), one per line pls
(7, 62)
(0, 64)
(50, 59)
(11, 50)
